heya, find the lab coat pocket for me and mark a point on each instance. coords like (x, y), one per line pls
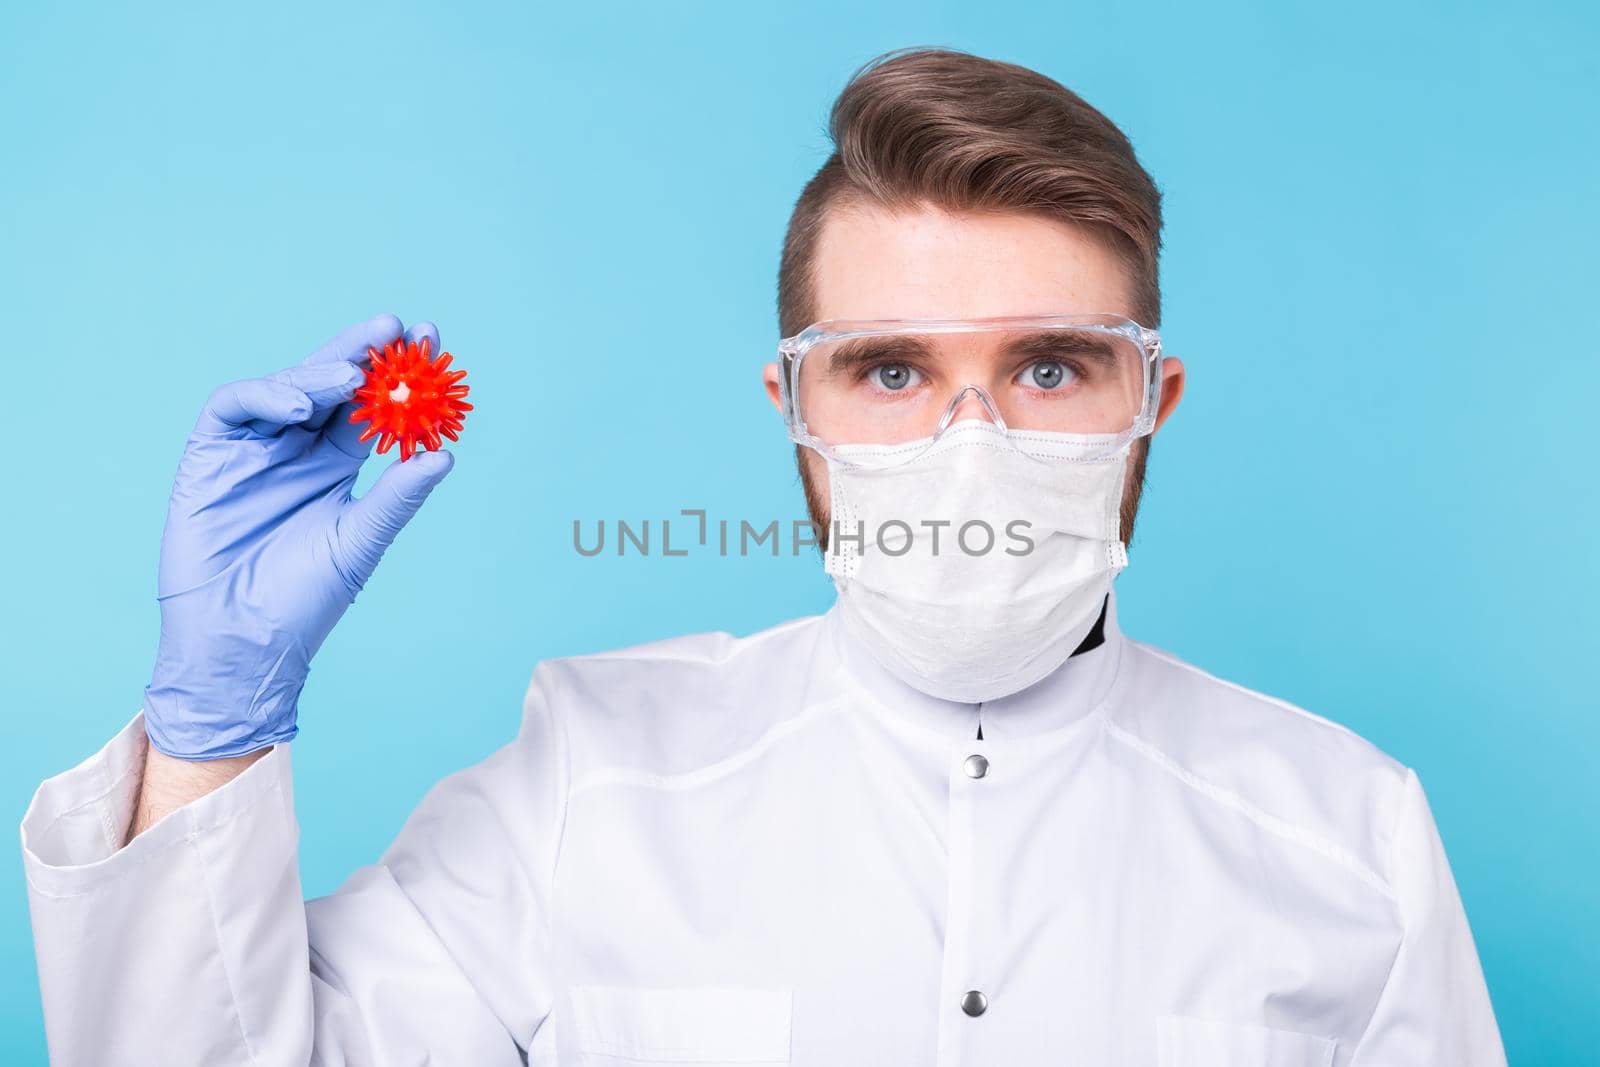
(636, 1026)
(1188, 1041)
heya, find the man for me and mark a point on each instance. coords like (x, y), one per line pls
(958, 819)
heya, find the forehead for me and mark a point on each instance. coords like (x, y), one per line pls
(874, 263)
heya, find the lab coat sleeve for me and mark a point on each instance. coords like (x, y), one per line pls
(192, 944)
(1434, 1008)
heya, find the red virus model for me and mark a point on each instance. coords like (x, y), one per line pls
(410, 398)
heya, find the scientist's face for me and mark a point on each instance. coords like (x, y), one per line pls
(928, 263)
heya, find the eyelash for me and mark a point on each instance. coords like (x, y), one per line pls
(1072, 368)
(1075, 370)
(869, 372)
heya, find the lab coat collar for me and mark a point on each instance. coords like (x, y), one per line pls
(1063, 699)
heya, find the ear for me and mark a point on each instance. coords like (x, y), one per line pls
(769, 377)
(1172, 376)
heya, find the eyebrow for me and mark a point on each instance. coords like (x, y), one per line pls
(1045, 344)
(860, 352)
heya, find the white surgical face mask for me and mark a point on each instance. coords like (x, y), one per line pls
(975, 569)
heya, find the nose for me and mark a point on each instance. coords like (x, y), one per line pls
(972, 402)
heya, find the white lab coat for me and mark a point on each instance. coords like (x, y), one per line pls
(768, 850)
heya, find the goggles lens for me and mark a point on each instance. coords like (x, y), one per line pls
(896, 387)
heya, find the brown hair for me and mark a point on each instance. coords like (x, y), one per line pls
(966, 133)
(960, 132)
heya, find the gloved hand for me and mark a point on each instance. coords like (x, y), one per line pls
(264, 547)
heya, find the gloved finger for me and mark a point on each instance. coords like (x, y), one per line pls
(347, 435)
(260, 403)
(351, 343)
(425, 329)
(369, 525)
(327, 384)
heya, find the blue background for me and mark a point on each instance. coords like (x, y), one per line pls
(1377, 499)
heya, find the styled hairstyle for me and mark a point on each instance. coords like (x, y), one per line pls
(960, 132)
(940, 127)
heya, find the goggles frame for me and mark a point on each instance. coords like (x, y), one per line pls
(792, 352)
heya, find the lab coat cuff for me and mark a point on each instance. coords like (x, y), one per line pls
(74, 828)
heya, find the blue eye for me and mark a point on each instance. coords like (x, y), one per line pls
(894, 376)
(1047, 374)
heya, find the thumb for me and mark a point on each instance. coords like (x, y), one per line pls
(369, 525)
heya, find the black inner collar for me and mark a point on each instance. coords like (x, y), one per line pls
(1093, 639)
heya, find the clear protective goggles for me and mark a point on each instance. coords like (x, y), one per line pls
(880, 392)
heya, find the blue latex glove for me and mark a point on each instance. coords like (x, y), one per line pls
(264, 547)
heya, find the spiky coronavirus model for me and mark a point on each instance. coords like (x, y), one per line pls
(410, 398)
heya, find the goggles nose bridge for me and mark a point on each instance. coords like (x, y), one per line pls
(983, 398)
